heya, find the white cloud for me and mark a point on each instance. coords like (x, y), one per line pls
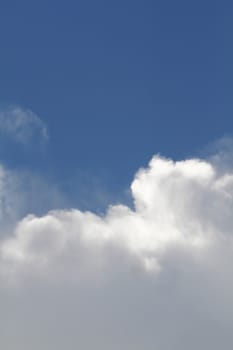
(154, 277)
(22, 125)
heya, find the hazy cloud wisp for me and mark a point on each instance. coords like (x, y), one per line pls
(22, 126)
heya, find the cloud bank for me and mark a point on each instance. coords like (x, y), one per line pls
(155, 276)
(22, 126)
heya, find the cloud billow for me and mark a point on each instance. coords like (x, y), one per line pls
(157, 276)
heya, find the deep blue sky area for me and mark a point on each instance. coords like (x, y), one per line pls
(117, 81)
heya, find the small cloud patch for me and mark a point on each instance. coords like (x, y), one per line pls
(22, 126)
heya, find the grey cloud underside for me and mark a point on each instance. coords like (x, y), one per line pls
(154, 277)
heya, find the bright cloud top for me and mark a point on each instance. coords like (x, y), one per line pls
(167, 261)
(176, 204)
(22, 125)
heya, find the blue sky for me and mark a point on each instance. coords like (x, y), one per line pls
(116, 82)
(96, 254)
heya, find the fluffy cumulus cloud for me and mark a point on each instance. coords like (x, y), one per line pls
(22, 126)
(155, 276)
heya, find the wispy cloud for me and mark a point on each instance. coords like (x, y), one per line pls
(22, 125)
